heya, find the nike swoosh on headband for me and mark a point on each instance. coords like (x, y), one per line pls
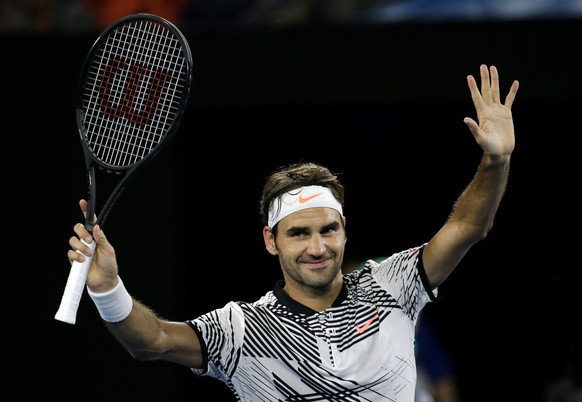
(303, 200)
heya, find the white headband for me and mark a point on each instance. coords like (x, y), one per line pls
(302, 198)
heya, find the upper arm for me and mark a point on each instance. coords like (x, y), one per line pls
(181, 344)
(160, 340)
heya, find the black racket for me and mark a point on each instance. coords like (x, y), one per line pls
(133, 92)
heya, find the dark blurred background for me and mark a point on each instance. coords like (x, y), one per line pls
(376, 90)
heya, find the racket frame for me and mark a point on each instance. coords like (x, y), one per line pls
(75, 285)
(91, 160)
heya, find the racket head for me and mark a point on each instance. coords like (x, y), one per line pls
(134, 89)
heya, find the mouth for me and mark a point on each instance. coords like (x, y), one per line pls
(316, 265)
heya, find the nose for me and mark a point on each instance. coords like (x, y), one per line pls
(316, 246)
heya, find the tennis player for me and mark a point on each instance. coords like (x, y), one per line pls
(319, 335)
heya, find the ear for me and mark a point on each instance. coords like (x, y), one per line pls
(269, 239)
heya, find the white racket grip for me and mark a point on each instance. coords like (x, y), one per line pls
(74, 288)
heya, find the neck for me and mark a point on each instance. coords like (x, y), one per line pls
(316, 299)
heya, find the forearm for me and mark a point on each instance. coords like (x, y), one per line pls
(134, 325)
(470, 220)
(143, 334)
(476, 207)
(140, 332)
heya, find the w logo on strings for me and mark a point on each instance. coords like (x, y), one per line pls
(131, 91)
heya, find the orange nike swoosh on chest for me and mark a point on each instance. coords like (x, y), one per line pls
(363, 328)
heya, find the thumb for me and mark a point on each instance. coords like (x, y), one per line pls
(473, 126)
(104, 258)
(101, 240)
(105, 248)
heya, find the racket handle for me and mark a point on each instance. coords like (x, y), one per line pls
(74, 289)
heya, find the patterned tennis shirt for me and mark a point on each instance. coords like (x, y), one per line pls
(359, 349)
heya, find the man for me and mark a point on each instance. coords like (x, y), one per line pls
(319, 335)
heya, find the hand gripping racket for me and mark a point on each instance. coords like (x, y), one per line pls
(133, 91)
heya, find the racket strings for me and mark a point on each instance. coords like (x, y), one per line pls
(134, 89)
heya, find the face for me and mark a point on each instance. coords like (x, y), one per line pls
(310, 244)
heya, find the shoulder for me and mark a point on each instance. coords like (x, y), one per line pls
(410, 256)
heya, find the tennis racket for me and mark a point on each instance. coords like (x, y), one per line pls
(133, 92)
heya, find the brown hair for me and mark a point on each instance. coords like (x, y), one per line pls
(296, 175)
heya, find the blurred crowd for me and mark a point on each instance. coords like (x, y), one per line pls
(73, 16)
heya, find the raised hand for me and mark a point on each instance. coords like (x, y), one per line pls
(494, 131)
(102, 274)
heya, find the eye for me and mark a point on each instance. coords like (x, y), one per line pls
(327, 231)
(298, 233)
(330, 229)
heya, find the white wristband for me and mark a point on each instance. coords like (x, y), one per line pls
(113, 305)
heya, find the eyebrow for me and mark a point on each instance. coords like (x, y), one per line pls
(333, 225)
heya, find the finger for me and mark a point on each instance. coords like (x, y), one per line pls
(511, 95)
(81, 245)
(475, 95)
(82, 232)
(84, 205)
(74, 255)
(485, 84)
(495, 84)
